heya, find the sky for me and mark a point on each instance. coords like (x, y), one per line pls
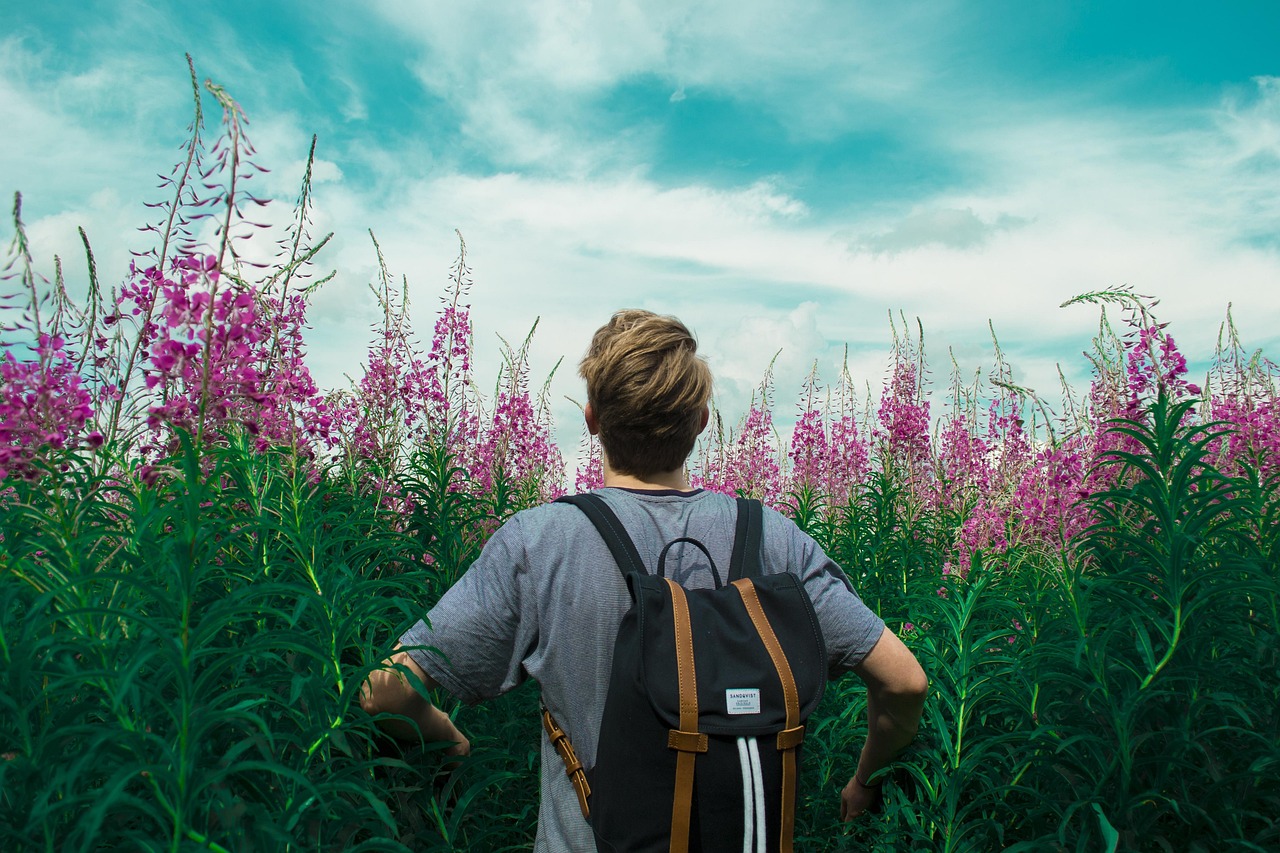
(792, 179)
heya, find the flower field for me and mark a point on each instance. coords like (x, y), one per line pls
(203, 554)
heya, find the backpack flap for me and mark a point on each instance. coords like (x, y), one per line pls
(739, 691)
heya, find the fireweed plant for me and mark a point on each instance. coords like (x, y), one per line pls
(203, 555)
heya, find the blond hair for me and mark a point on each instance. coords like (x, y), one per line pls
(648, 389)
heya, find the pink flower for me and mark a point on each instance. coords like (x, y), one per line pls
(44, 405)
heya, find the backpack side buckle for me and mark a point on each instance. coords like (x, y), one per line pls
(572, 766)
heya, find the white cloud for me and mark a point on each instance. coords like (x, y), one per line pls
(1252, 124)
(524, 74)
(950, 227)
(68, 132)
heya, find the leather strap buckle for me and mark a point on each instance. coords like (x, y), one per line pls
(572, 766)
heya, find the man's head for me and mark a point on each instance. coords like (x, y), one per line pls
(648, 390)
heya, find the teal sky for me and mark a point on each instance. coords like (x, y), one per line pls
(782, 175)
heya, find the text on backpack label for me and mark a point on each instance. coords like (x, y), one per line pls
(743, 700)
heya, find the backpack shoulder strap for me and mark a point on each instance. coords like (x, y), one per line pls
(611, 530)
(747, 541)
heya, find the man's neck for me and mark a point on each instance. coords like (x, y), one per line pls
(675, 480)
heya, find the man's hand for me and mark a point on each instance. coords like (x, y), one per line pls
(857, 799)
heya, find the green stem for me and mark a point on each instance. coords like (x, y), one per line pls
(200, 838)
(1173, 646)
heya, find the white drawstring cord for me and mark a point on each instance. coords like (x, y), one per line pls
(753, 824)
(757, 779)
(748, 797)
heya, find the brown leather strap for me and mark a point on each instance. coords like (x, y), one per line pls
(687, 735)
(790, 737)
(788, 800)
(682, 806)
(572, 766)
(687, 741)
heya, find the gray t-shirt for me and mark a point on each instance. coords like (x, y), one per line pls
(545, 599)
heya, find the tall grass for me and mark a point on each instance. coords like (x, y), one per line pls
(183, 660)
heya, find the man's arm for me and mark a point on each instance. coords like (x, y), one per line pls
(389, 691)
(896, 687)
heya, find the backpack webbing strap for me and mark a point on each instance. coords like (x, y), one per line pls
(792, 736)
(745, 562)
(686, 740)
(572, 766)
(611, 530)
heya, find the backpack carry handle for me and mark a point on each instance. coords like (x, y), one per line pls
(662, 558)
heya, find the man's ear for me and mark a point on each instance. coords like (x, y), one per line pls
(706, 418)
(593, 425)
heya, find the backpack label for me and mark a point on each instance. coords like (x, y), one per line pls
(740, 700)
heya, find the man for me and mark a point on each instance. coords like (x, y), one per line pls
(545, 599)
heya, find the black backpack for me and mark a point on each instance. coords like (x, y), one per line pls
(709, 692)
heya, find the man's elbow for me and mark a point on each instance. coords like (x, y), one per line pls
(368, 701)
(915, 685)
(911, 687)
(902, 698)
(374, 693)
(912, 691)
(391, 689)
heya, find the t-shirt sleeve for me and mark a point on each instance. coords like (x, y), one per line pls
(849, 628)
(474, 639)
